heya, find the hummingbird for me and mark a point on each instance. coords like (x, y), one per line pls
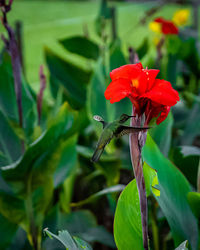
(113, 129)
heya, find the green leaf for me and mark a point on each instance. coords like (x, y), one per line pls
(93, 197)
(10, 144)
(95, 96)
(61, 126)
(67, 160)
(81, 46)
(64, 237)
(162, 134)
(69, 242)
(143, 49)
(127, 221)
(194, 201)
(7, 232)
(173, 195)
(183, 246)
(83, 224)
(192, 125)
(12, 208)
(72, 78)
(7, 92)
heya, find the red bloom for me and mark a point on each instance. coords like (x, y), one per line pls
(167, 27)
(149, 95)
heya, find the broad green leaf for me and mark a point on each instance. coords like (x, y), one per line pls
(173, 195)
(95, 96)
(183, 246)
(64, 237)
(194, 201)
(83, 224)
(7, 92)
(143, 49)
(72, 78)
(92, 198)
(12, 208)
(127, 221)
(7, 232)
(162, 134)
(81, 46)
(182, 162)
(61, 126)
(192, 125)
(82, 244)
(67, 160)
(10, 144)
(68, 241)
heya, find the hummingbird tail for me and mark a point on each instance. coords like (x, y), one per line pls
(97, 153)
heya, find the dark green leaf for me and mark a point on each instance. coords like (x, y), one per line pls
(69, 242)
(10, 144)
(67, 156)
(7, 232)
(173, 195)
(61, 127)
(81, 46)
(162, 134)
(143, 49)
(71, 77)
(83, 224)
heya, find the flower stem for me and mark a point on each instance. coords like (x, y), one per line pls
(136, 141)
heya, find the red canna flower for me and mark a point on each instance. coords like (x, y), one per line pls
(150, 96)
(167, 27)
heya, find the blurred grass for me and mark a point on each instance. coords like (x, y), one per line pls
(47, 21)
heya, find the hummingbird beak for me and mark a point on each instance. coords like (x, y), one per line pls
(132, 115)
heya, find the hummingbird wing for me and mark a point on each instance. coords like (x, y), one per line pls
(99, 119)
(124, 130)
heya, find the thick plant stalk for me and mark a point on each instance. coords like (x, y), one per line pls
(136, 142)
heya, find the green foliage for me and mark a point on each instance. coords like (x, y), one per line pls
(127, 223)
(72, 78)
(173, 187)
(69, 242)
(88, 49)
(46, 177)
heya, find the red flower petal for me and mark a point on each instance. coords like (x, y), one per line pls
(148, 79)
(168, 27)
(126, 71)
(162, 93)
(163, 115)
(118, 90)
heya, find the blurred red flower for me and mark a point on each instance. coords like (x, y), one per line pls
(150, 96)
(167, 27)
